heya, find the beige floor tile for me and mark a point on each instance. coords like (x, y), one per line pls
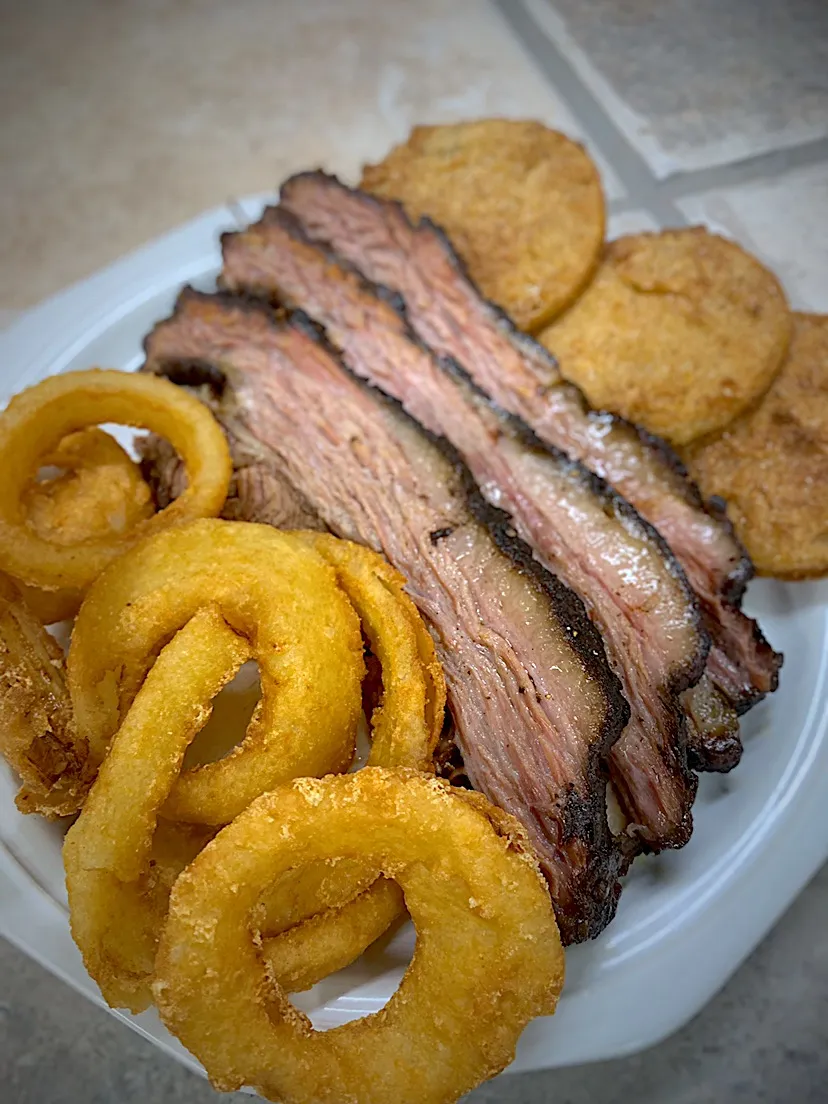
(698, 84)
(123, 119)
(783, 222)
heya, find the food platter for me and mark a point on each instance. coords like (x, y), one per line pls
(686, 919)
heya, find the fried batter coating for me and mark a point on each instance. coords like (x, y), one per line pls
(771, 465)
(37, 732)
(488, 956)
(680, 331)
(521, 203)
(100, 491)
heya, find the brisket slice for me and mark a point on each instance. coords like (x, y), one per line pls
(448, 313)
(578, 528)
(534, 702)
(257, 492)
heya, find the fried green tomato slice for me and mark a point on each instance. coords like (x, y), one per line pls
(679, 331)
(522, 204)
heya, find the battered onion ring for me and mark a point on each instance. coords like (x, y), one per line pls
(324, 918)
(488, 955)
(276, 592)
(100, 491)
(309, 943)
(313, 949)
(35, 422)
(414, 689)
(115, 906)
(37, 732)
(405, 727)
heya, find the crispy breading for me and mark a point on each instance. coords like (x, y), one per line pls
(521, 203)
(680, 331)
(771, 465)
(38, 737)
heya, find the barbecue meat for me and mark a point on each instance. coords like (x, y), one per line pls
(535, 705)
(713, 742)
(448, 313)
(257, 492)
(579, 529)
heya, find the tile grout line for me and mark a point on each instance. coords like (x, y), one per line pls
(759, 169)
(630, 166)
(644, 190)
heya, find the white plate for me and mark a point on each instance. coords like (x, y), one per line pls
(686, 920)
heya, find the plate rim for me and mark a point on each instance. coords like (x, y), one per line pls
(794, 839)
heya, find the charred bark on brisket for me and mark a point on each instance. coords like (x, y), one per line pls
(578, 527)
(534, 702)
(447, 312)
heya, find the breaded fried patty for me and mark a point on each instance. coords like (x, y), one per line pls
(771, 465)
(521, 203)
(680, 331)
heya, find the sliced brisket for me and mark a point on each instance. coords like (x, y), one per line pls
(534, 702)
(449, 314)
(578, 528)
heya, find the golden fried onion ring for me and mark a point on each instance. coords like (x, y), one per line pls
(414, 689)
(322, 918)
(38, 419)
(488, 955)
(113, 901)
(316, 947)
(279, 595)
(37, 732)
(100, 491)
(309, 943)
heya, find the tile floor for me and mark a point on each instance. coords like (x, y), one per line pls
(122, 120)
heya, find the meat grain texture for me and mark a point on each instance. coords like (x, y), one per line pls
(631, 586)
(448, 313)
(535, 704)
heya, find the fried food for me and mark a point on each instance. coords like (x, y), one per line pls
(300, 617)
(37, 732)
(413, 687)
(771, 465)
(680, 331)
(315, 947)
(521, 203)
(115, 904)
(488, 956)
(282, 598)
(38, 419)
(100, 491)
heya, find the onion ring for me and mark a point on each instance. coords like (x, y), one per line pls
(312, 949)
(37, 732)
(101, 491)
(38, 419)
(488, 955)
(252, 574)
(275, 591)
(414, 689)
(114, 903)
